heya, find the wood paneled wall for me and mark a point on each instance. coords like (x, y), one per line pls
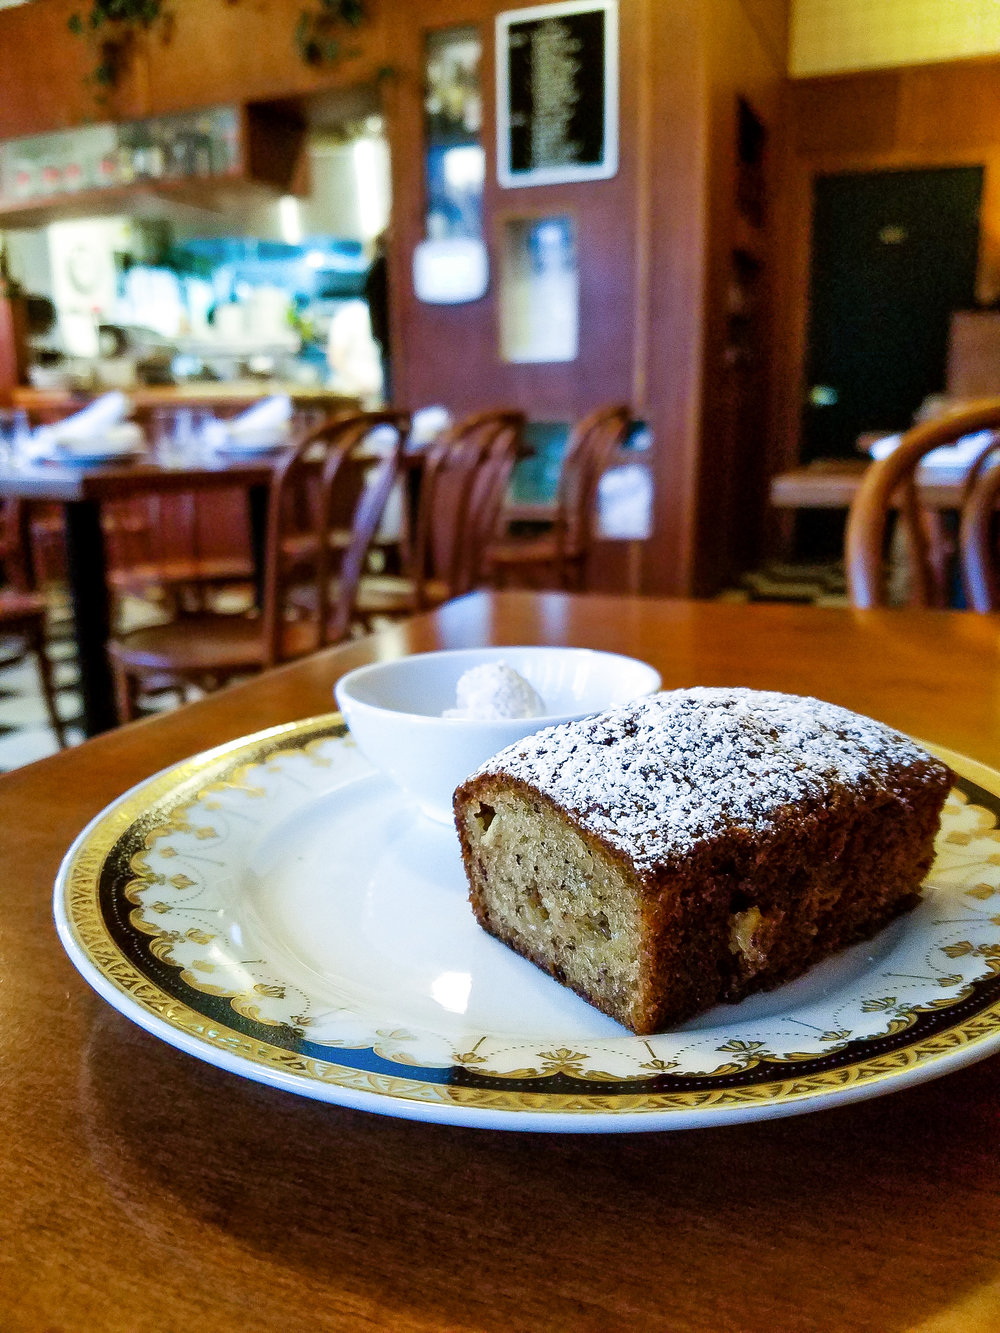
(732, 472)
(213, 52)
(651, 263)
(913, 117)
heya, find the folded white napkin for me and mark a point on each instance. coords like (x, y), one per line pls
(97, 428)
(269, 414)
(951, 456)
(92, 420)
(260, 427)
(427, 423)
(625, 503)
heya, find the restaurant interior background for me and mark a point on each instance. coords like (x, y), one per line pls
(209, 290)
(209, 215)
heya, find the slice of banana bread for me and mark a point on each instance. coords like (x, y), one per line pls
(697, 845)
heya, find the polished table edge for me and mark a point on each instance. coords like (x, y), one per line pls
(304, 687)
(69, 482)
(225, 393)
(147, 1189)
(833, 483)
(63, 482)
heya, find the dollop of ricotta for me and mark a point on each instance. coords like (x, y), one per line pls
(492, 691)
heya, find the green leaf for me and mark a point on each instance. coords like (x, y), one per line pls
(313, 27)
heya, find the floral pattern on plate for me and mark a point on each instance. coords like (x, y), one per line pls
(276, 907)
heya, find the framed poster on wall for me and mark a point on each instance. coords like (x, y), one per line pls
(557, 93)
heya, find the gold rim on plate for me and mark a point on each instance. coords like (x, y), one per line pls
(126, 920)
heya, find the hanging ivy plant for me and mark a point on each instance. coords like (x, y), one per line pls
(321, 29)
(114, 27)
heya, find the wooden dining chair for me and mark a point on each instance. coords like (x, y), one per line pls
(462, 483)
(890, 484)
(329, 473)
(158, 552)
(155, 543)
(183, 550)
(559, 557)
(15, 541)
(978, 535)
(178, 550)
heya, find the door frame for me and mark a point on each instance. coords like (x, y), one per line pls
(794, 225)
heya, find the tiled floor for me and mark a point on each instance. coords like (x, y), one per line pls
(25, 734)
(818, 585)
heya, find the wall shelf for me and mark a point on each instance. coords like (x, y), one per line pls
(198, 158)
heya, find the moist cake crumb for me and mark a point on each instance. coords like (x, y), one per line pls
(734, 833)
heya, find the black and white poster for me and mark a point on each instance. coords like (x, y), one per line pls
(557, 93)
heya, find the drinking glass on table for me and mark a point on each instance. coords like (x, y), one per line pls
(180, 434)
(15, 433)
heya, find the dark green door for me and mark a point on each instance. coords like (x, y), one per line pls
(894, 253)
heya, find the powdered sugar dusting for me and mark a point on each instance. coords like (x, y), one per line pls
(655, 777)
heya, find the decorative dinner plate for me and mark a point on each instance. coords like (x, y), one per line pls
(277, 908)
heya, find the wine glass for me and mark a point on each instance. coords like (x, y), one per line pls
(15, 432)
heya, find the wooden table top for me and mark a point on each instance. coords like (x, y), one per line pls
(69, 482)
(146, 1190)
(831, 483)
(63, 482)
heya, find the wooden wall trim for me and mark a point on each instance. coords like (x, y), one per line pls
(771, 21)
(678, 203)
(216, 53)
(731, 474)
(644, 204)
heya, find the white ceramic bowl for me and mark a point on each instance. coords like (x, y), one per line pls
(394, 710)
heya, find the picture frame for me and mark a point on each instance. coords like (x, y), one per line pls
(557, 93)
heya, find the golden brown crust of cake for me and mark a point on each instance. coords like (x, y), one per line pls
(698, 846)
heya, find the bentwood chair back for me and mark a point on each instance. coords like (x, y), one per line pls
(560, 556)
(471, 479)
(179, 549)
(313, 564)
(182, 549)
(322, 522)
(891, 484)
(978, 534)
(462, 486)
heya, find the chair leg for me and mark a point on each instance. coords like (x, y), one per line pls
(125, 693)
(36, 638)
(572, 574)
